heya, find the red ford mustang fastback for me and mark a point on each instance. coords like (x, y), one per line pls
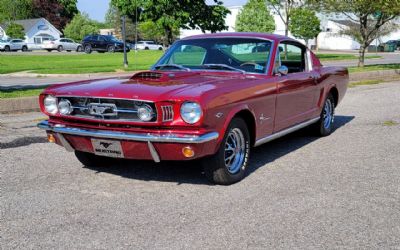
(210, 96)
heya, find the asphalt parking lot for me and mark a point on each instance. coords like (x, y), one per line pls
(341, 191)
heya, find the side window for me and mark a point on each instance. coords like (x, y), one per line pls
(291, 56)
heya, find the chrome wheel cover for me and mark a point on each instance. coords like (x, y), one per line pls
(328, 114)
(235, 150)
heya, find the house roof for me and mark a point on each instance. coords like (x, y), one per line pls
(28, 24)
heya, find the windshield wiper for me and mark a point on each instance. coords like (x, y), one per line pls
(171, 66)
(222, 66)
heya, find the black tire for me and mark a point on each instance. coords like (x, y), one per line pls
(24, 49)
(79, 49)
(147, 48)
(88, 49)
(324, 126)
(7, 48)
(48, 50)
(111, 49)
(68, 50)
(160, 48)
(60, 48)
(92, 160)
(216, 168)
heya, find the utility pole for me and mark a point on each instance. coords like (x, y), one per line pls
(124, 38)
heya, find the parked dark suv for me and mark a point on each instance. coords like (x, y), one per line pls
(102, 44)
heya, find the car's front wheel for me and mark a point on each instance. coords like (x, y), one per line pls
(324, 126)
(91, 160)
(7, 48)
(88, 49)
(60, 48)
(24, 49)
(229, 164)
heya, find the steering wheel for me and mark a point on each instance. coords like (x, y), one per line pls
(249, 63)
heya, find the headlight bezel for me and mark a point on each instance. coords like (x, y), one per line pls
(145, 108)
(191, 112)
(50, 101)
(69, 110)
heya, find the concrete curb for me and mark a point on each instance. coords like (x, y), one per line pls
(28, 74)
(22, 104)
(375, 75)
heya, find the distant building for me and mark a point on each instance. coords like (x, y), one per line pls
(330, 38)
(36, 31)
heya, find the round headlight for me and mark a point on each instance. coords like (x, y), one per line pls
(145, 113)
(191, 112)
(50, 104)
(64, 107)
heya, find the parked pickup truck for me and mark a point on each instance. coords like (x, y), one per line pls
(212, 96)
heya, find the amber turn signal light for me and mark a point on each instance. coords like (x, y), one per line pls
(188, 152)
(51, 138)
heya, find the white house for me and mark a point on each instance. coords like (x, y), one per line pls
(330, 37)
(36, 31)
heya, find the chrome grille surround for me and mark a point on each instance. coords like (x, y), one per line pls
(107, 109)
(167, 113)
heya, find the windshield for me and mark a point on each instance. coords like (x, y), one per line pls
(239, 54)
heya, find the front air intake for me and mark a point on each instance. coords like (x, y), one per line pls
(148, 75)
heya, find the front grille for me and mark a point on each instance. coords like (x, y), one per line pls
(108, 109)
(168, 113)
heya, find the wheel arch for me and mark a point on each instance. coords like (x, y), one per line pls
(335, 93)
(245, 113)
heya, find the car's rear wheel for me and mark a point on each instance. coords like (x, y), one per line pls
(48, 50)
(160, 48)
(60, 48)
(24, 48)
(88, 49)
(324, 126)
(7, 48)
(92, 160)
(147, 48)
(229, 164)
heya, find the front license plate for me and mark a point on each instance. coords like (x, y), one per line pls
(107, 148)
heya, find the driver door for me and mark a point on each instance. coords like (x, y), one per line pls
(296, 90)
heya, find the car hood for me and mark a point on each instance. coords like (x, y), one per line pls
(148, 85)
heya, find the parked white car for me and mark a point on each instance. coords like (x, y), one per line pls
(13, 45)
(62, 44)
(148, 45)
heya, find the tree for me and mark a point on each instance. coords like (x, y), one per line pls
(113, 20)
(174, 14)
(370, 19)
(255, 17)
(284, 9)
(15, 9)
(304, 24)
(15, 31)
(81, 26)
(57, 12)
(151, 31)
(70, 8)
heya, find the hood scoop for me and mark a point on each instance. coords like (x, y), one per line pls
(147, 75)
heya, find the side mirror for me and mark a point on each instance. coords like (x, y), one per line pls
(283, 70)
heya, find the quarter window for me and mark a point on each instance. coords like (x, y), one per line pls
(291, 56)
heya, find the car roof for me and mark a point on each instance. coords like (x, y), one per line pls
(267, 36)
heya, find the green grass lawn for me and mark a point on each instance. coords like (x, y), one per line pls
(374, 67)
(76, 64)
(95, 63)
(337, 57)
(19, 93)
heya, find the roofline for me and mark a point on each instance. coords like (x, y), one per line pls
(264, 36)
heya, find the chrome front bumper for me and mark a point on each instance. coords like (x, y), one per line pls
(148, 137)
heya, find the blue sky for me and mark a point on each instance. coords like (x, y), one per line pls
(98, 8)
